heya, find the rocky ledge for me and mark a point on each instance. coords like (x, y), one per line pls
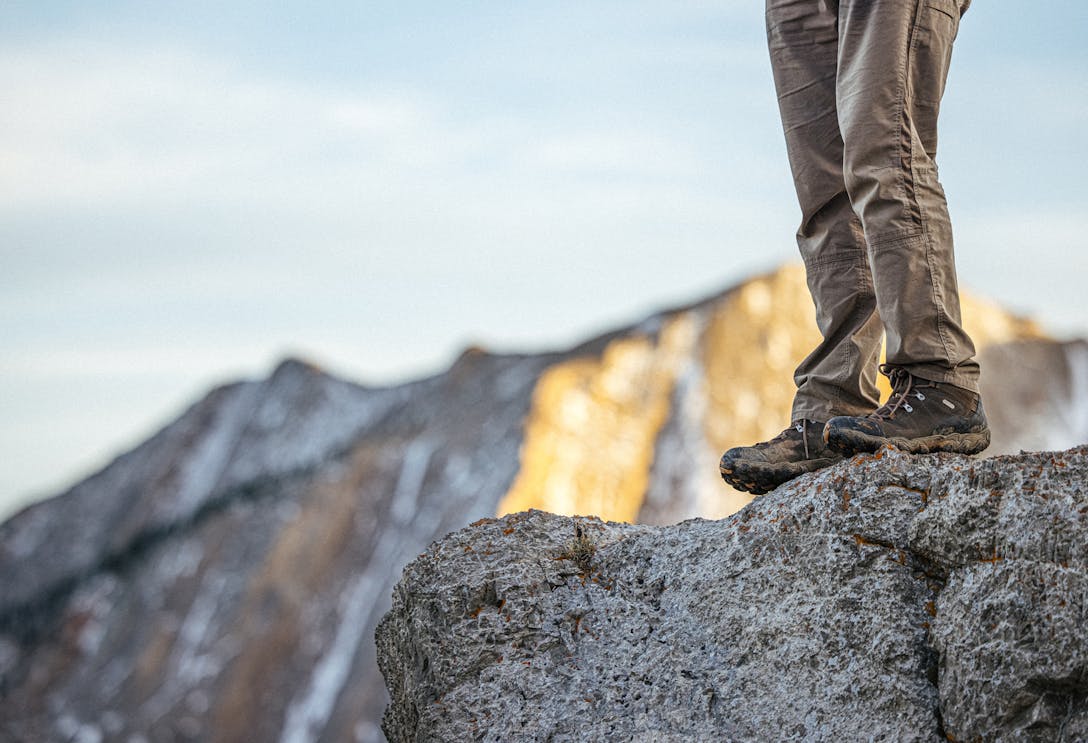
(888, 598)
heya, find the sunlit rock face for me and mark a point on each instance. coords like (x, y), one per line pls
(596, 421)
(222, 581)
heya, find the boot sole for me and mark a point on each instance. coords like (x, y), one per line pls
(849, 443)
(763, 477)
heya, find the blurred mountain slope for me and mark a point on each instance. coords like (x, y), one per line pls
(222, 580)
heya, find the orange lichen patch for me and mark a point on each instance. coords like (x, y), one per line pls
(589, 440)
(931, 608)
(481, 522)
(992, 558)
(508, 530)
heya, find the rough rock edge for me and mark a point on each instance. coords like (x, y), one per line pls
(975, 525)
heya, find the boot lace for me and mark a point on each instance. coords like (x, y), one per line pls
(904, 390)
(801, 427)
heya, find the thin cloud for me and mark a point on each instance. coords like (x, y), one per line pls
(85, 125)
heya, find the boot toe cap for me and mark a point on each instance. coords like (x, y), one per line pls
(741, 454)
(867, 426)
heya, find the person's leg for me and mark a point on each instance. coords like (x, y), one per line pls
(893, 63)
(839, 376)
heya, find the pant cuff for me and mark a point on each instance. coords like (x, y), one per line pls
(933, 373)
(821, 411)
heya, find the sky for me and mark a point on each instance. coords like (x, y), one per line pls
(190, 192)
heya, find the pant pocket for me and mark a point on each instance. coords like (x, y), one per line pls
(946, 12)
(932, 53)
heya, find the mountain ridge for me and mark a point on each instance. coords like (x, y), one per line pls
(218, 570)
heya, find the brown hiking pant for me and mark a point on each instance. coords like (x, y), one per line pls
(859, 86)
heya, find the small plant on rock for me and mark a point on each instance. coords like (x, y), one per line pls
(581, 550)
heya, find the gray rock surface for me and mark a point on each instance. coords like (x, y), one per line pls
(888, 598)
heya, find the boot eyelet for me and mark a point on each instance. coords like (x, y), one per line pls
(908, 408)
(919, 395)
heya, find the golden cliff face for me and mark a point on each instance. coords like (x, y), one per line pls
(590, 437)
(592, 434)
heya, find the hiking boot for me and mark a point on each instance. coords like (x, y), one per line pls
(920, 417)
(763, 467)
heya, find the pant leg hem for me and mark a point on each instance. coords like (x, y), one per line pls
(933, 373)
(822, 413)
